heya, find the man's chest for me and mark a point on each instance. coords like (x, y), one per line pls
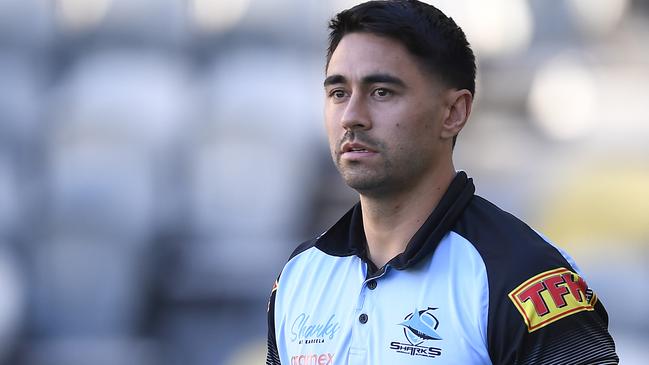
(400, 317)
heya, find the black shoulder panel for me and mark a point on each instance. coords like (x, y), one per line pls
(540, 310)
(272, 355)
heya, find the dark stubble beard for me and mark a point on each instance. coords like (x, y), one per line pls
(364, 179)
(397, 170)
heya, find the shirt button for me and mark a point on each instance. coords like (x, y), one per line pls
(362, 318)
(371, 284)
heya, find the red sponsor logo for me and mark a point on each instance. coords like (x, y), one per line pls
(313, 359)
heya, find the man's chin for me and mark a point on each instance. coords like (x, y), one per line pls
(362, 178)
(364, 184)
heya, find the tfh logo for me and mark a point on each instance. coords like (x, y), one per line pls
(550, 296)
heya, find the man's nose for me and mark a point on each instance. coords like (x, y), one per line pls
(356, 114)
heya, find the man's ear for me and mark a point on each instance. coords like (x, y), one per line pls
(459, 104)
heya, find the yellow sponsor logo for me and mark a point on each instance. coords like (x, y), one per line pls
(550, 296)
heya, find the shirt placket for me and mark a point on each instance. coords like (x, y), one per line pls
(364, 320)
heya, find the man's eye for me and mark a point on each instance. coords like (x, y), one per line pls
(381, 92)
(337, 94)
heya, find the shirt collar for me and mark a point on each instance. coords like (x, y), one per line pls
(347, 237)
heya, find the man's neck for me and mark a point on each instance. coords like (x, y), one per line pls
(391, 221)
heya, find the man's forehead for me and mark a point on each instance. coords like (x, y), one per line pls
(359, 55)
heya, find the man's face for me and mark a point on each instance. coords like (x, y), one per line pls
(383, 115)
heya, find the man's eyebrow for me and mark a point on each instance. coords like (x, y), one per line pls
(334, 79)
(383, 79)
(369, 79)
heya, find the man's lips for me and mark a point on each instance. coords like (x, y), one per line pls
(355, 150)
(356, 147)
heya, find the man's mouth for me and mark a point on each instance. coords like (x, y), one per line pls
(355, 147)
(352, 150)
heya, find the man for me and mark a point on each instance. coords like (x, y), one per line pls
(421, 270)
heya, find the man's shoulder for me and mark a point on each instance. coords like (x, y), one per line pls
(294, 259)
(491, 228)
(541, 309)
(305, 252)
(304, 246)
(510, 249)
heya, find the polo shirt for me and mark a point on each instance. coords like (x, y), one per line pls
(475, 285)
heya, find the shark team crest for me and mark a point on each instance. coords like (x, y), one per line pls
(419, 329)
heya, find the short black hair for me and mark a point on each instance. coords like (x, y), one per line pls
(424, 30)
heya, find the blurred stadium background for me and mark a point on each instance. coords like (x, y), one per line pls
(159, 159)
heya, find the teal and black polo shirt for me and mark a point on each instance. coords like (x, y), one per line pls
(475, 285)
